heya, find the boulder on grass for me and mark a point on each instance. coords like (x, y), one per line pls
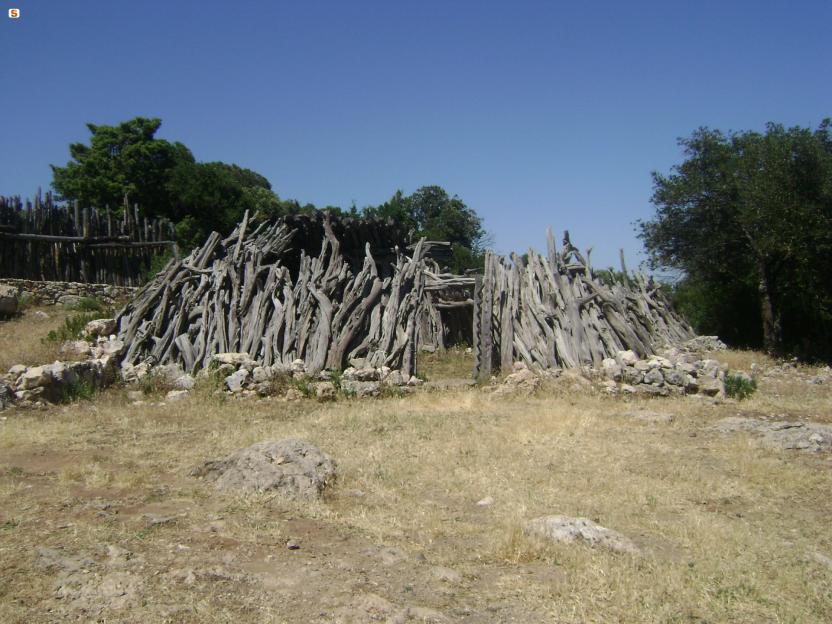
(100, 327)
(8, 300)
(569, 530)
(294, 468)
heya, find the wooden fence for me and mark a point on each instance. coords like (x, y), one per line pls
(40, 240)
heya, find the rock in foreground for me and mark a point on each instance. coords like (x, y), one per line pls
(568, 530)
(8, 300)
(292, 467)
(785, 435)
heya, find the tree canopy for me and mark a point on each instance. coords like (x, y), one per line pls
(432, 213)
(121, 160)
(747, 218)
(166, 180)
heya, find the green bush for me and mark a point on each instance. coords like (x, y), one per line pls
(25, 301)
(78, 391)
(73, 327)
(90, 304)
(739, 386)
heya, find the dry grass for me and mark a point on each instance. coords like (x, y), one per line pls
(729, 527)
(452, 363)
(21, 339)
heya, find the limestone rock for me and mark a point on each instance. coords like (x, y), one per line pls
(168, 373)
(100, 327)
(784, 435)
(711, 386)
(568, 530)
(131, 373)
(293, 394)
(239, 360)
(176, 395)
(632, 376)
(293, 467)
(185, 382)
(76, 348)
(110, 346)
(360, 388)
(366, 374)
(522, 380)
(611, 369)
(34, 377)
(8, 300)
(261, 374)
(395, 378)
(627, 358)
(705, 343)
(235, 381)
(16, 371)
(654, 376)
(325, 391)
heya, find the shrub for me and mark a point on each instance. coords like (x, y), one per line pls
(90, 304)
(72, 329)
(78, 391)
(25, 301)
(739, 386)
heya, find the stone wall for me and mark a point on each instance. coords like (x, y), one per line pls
(69, 293)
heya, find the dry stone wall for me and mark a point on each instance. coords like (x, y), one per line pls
(68, 293)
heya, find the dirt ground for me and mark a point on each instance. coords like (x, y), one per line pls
(101, 522)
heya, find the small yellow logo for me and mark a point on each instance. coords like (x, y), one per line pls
(14, 13)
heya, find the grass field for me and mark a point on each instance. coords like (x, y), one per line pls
(99, 520)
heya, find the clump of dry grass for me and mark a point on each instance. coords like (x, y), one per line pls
(454, 362)
(22, 339)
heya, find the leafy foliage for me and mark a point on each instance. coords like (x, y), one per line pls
(80, 390)
(163, 178)
(73, 327)
(121, 160)
(748, 218)
(739, 386)
(432, 213)
(167, 181)
(90, 304)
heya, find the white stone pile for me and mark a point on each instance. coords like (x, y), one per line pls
(243, 376)
(53, 383)
(675, 373)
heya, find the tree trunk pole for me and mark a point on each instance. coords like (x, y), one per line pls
(770, 315)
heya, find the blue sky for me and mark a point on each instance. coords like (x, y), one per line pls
(534, 113)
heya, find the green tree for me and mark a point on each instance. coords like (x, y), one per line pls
(432, 213)
(748, 218)
(122, 160)
(164, 179)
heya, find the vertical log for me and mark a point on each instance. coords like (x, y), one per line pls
(475, 330)
(487, 311)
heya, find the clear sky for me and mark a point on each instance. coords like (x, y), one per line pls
(534, 113)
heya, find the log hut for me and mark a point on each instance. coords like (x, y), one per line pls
(556, 312)
(269, 291)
